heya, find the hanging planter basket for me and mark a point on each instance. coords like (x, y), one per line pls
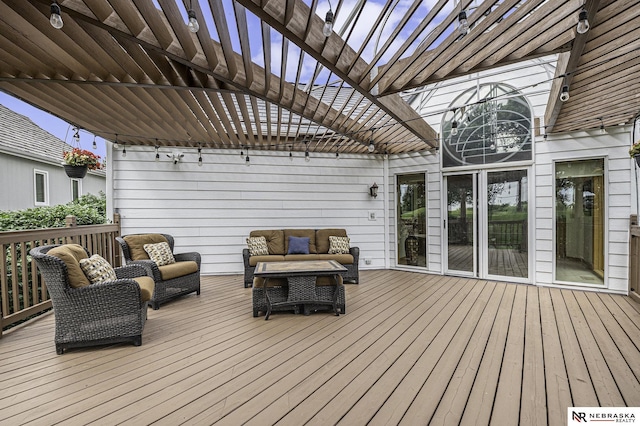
(77, 172)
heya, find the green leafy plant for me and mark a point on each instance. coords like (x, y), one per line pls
(81, 157)
(635, 149)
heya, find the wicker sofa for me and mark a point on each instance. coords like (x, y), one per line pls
(92, 314)
(174, 280)
(277, 242)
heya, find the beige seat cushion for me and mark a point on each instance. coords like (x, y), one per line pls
(136, 244)
(253, 260)
(178, 269)
(146, 287)
(71, 254)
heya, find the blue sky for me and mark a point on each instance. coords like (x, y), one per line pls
(52, 124)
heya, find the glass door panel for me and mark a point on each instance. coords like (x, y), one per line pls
(460, 223)
(412, 220)
(507, 224)
(580, 221)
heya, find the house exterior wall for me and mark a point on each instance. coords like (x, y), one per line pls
(17, 191)
(211, 209)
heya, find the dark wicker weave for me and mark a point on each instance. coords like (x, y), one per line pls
(280, 294)
(351, 274)
(167, 289)
(98, 314)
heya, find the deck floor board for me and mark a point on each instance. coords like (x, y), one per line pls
(413, 348)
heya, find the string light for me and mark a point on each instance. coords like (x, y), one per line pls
(157, 153)
(124, 150)
(583, 22)
(193, 21)
(199, 156)
(56, 18)
(94, 145)
(564, 96)
(327, 29)
(247, 161)
(115, 144)
(463, 23)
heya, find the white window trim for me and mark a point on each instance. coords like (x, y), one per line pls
(46, 187)
(79, 187)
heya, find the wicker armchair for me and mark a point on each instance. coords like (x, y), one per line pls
(172, 281)
(97, 314)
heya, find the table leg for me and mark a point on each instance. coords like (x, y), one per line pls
(267, 301)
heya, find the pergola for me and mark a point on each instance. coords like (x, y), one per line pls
(260, 74)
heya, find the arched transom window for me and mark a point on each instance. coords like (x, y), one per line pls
(490, 123)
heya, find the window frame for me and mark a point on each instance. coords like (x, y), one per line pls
(45, 190)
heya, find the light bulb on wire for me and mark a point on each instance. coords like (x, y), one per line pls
(56, 19)
(463, 23)
(199, 157)
(193, 21)
(327, 29)
(94, 145)
(564, 96)
(454, 128)
(583, 22)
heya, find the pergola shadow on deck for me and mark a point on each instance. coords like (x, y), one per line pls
(412, 349)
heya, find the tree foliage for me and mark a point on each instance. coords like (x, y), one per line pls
(89, 210)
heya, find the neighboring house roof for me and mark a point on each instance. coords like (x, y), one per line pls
(21, 137)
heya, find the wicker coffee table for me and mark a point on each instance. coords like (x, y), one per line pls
(301, 277)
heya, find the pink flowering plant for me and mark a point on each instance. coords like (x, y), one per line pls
(81, 157)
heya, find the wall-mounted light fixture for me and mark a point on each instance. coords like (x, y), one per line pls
(373, 190)
(175, 156)
(56, 18)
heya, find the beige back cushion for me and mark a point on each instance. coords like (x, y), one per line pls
(71, 254)
(322, 238)
(136, 244)
(275, 240)
(310, 233)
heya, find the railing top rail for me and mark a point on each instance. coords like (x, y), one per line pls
(9, 237)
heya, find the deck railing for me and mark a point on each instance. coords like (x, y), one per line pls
(23, 293)
(634, 257)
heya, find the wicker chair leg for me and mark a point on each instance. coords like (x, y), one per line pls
(137, 341)
(59, 349)
(155, 306)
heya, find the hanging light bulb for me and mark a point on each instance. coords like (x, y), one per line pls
(371, 146)
(124, 150)
(454, 128)
(327, 29)
(583, 22)
(463, 23)
(290, 156)
(193, 21)
(94, 145)
(115, 144)
(157, 153)
(242, 153)
(56, 19)
(247, 162)
(306, 156)
(545, 133)
(337, 155)
(564, 96)
(199, 157)
(602, 130)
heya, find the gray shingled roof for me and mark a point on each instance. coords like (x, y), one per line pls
(21, 136)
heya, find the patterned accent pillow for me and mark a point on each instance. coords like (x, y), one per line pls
(160, 253)
(257, 246)
(97, 269)
(338, 245)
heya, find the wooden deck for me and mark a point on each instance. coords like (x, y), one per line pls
(412, 349)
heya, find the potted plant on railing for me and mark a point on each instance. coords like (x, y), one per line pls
(78, 161)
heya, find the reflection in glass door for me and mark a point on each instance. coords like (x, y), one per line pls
(412, 220)
(461, 224)
(507, 223)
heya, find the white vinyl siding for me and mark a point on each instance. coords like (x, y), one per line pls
(211, 209)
